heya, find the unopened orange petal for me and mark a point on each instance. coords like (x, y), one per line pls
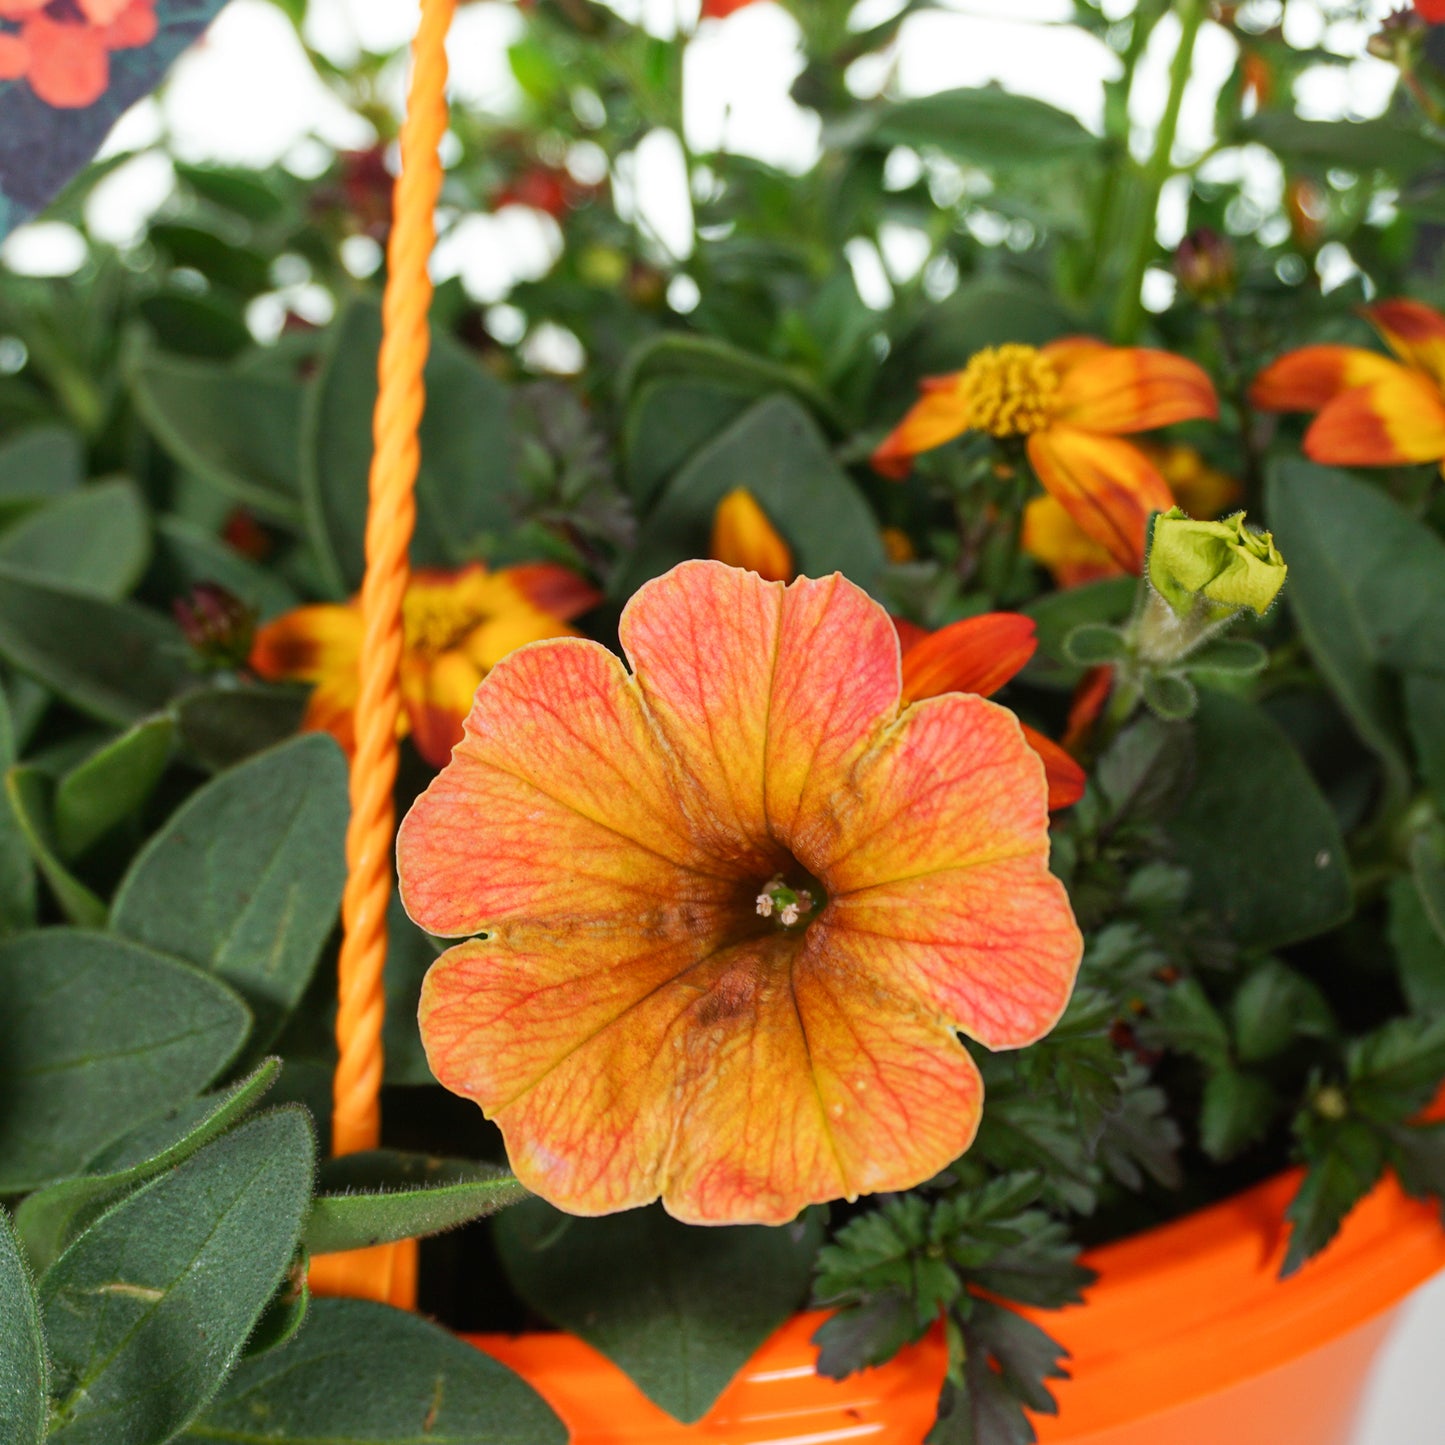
(1129, 389)
(1414, 332)
(1086, 706)
(1400, 419)
(308, 644)
(1306, 379)
(938, 416)
(979, 655)
(742, 536)
(1106, 485)
(1066, 779)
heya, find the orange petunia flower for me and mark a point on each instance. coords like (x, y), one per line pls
(1373, 411)
(63, 50)
(1051, 536)
(1071, 400)
(979, 655)
(458, 625)
(736, 903)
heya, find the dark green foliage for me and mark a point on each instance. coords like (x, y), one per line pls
(23, 1366)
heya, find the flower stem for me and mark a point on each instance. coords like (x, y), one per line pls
(1129, 312)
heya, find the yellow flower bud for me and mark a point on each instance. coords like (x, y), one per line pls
(1224, 563)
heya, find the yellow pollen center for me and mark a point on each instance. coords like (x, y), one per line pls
(1011, 390)
(435, 620)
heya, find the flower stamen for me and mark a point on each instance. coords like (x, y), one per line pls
(790, 905)
(1011, 390)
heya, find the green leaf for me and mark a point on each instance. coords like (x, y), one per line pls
(147, 1312)
(985, 127)
(111, 660)
(286, 1311)
(1419, 947)
(1396, 1071)
(245, 878)
(1346, 1166)
(363, 1374)
(1146, 771)
(50, 1218)
(1094, 643)
(96, 540)
(466, 469)
(382, 1195)
(777, 449)
(187, 554)
(1425, 717)
(1169, 696)
(1235, 656)
(1189, 1023)
(97, 1036)
(1274, 1007)
(1236, 1112)
(679, 1310)
(1359, 145)
(38, 465)
(23, 1369)
(226, 724)
(1255, 831)
(111, 785)
(1338, 534)
(28, 794)
(238, 430)
(1418, 1154)
(17, 865)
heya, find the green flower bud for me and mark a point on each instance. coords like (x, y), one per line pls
(1224, 563)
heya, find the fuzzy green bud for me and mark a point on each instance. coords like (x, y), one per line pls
(1224, 563)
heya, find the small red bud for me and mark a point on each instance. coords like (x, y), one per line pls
(219, 626)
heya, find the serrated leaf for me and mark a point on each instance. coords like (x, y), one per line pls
(50, 1218)
(1275, 1006)
(679, 1310)
(863, 1335)
(147, 1312)
(71, 1080)
(1342, 1171)
(111, 660)
(1236, 1112)
(28, 792)
(363, 1374)
(23, 1369)
(110, 785)
(245, 879)
(1256, 832)
(1188, 1022)
(1396, 1071)
(382, 1195)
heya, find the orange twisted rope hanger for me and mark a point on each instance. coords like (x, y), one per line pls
(387, 1272)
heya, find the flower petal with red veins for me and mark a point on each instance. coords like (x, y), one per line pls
(552, 588)
(309, 643)
(1305, 380)
(1106, 485)
(1066, 779)
(1129, 389)
(69, 65)
(558, 815)
(979, 654)
(764, 693)
(1414, 332)
(1401, 419)
(938, 416)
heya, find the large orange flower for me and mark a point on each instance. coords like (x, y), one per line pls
(735, 904)
(1373, 411)
(1072, 401)
(458, 625)
(1051, 536)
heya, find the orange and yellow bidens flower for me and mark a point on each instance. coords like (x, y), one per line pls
(1071, 401)
(736, 902)
(457, 625)
(1373, 411)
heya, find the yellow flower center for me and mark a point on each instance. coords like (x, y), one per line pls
(436, 619)
(1011, 390)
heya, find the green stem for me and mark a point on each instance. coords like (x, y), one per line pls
(1129, 312)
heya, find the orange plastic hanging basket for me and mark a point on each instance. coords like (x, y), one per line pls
(1188, 1338)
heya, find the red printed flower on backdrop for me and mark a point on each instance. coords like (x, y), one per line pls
(1431, 10)
(1374, 411)
(62, 48)
(1071, 401)
(736, 903)
(721, 9)
(457, 625)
